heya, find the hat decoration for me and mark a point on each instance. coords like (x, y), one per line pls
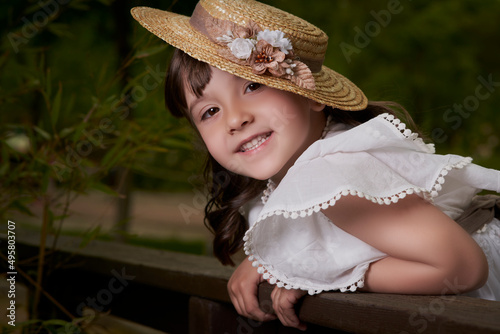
(259, 43)
(265, 51)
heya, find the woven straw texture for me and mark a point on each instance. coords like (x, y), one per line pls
(308, 41)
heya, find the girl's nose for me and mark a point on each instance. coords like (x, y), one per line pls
(237, 120)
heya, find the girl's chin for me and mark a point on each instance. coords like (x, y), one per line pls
(262, 174)
(273, 175)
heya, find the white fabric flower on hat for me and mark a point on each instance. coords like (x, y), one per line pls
(277, 39)
(227, 38)
(242, 48)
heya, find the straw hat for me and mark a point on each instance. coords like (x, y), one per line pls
(256, 42)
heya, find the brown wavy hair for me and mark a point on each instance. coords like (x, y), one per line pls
(227, 191)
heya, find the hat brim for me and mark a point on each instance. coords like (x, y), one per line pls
(332, 88)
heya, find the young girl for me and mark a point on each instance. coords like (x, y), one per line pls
(321, 188)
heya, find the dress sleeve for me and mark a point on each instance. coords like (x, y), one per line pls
(294, 245)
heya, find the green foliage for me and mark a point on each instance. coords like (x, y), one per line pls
(426, 55)
(80, 97)
(73, 110)
(81, 90)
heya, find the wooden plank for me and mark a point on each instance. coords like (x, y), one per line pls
(109, 324)
(401, 314)
(211, 317)
(349, 312)
(191, 274)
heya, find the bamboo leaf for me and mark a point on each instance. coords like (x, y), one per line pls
(109, 155)
(56, 107)
(156, 149)
(110, 99)
(106, 2)
(32, 9)
(78, 131)
(78, 4)
(56, 322)
(113, 161)
(4, 168)
(66, 131)
(45, 135)
(90, 235)
(149, 51)
(60, 29)
(104, 188)
(48, 85)
(71, 103)
(45, 181)
(27, 323)
(101, 78)
(175, 143)
(17, 205)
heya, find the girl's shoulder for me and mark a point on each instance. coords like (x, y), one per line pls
(384, 131)
(379, 161)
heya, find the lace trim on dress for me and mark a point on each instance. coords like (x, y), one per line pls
(422, 192)
(273, 279)
(407, 133)
(268, 191)
(271, 276)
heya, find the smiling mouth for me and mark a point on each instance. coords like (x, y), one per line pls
(255, 142)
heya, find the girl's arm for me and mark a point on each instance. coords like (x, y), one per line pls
(427, 251)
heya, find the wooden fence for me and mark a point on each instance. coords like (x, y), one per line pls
(181, 293)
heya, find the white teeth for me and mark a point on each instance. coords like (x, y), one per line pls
(254, 143)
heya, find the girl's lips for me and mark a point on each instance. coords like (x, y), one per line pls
(255, 142)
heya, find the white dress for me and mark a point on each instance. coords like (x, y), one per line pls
(295, 246)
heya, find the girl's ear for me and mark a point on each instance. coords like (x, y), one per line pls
(316, 106)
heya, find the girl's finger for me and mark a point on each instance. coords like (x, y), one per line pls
(291, 319)
(246, 304)
(252, 309)
(236, 303)
(283, 303)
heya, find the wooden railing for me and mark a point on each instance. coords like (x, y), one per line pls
(182, 293)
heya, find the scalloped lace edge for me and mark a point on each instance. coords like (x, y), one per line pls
(275, 280)
(426, 194)
(407, 133)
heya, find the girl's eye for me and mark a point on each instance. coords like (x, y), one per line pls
(209, 113)
(253, 86)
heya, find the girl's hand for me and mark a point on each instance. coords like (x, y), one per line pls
(283, 304)
(242, 288)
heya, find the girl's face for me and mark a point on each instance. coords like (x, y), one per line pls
(252, 129)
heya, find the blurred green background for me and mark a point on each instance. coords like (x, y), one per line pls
(81, 88)
(82, 115)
